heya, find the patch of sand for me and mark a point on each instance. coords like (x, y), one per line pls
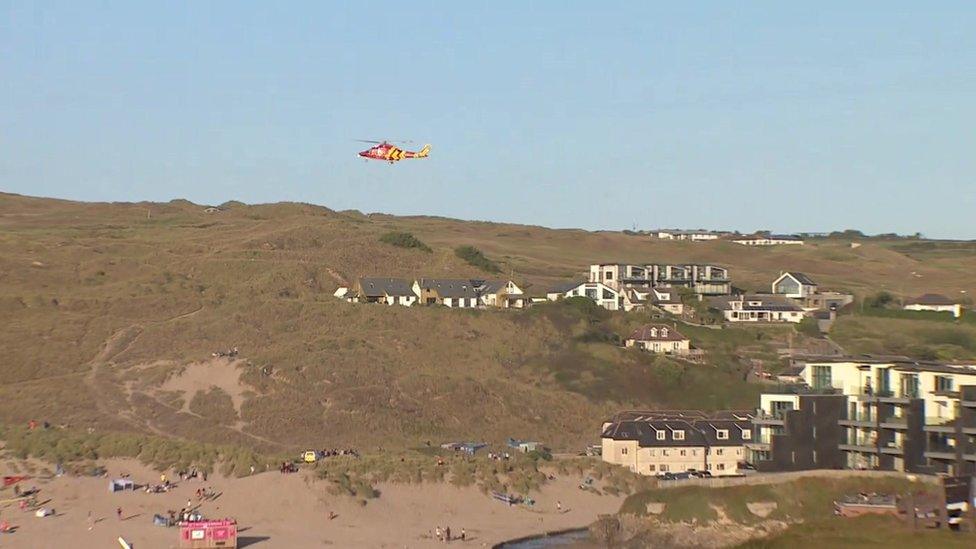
(275, 510)
(222, 373)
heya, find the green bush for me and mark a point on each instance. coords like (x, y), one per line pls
(404, 240)
(476, 258)
(809, 327)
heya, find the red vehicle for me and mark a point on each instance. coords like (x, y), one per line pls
(209, 534)
(390, 153)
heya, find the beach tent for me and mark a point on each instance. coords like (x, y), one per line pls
(119, 484)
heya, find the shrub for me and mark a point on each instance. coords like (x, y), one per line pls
(404, 240)
(879, 300)
(809, 327)
(476, 258)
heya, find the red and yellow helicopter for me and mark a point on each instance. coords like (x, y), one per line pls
(383, 150)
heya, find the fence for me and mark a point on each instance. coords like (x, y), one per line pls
(758, 479)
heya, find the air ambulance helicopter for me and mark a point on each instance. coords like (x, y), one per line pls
(383, 150)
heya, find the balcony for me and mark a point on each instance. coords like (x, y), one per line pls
(939, 425)
(940, 451)
(863, 421)
(862, 447)
(969, 403)
(892, 449)
(777, 419)
(946, 393)
(894, 423)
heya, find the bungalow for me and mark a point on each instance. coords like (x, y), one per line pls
(603, 295)
(934, 302)
(757, 308)
(795, 285)
(767, 240)
(391, 291)
(502, 293)
(658, 338)
(459, 293)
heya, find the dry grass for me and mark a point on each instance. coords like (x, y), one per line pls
(100, 304)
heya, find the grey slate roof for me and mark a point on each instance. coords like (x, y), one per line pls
(562, 287)
(801, 278)
(379, 287)
(697, 432)
(931, 299)
(769, 303)
(449, 287)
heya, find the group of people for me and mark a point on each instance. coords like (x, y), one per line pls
(445, 534)
(497, 456)
(336, 452)
(192, 473)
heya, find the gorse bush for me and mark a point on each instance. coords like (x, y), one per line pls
(404, 240)
(476, 258)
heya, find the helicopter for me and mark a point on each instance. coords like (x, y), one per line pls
(383, 150)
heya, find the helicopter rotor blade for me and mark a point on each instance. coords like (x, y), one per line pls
(367, 141)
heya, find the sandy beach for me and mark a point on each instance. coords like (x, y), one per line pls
(291, 510)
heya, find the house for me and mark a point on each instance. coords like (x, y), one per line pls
(502, 293)
(458, 293)
(757, 308)
(658, 338)
(794, 284)
(664, 443)
(667, 300)
(700, 278)
(603, 295)
(934, 302)
(768, 240)
(694, 236)
(390, 291)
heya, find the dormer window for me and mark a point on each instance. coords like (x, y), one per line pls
(679, 435)
(661, 435)
(664, 332)
(746, 434)
(653, 332)
(722, 434)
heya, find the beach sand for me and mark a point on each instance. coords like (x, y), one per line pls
(275, 510)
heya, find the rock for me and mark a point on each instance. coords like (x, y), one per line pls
(655, 508)
(762, 509)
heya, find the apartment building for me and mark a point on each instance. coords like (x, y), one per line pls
(701, 279)
(652, 443)
(897, 414)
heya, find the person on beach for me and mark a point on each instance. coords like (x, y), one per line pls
(437, 532)
(118, 513)
(447, 534)
(559, 507)
(91, 521)
(463, 534)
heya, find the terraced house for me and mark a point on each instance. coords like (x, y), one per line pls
(656, 442)
(893, 413)
(457, 293)
(389, 291)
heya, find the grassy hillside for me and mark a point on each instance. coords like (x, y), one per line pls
(105, 306)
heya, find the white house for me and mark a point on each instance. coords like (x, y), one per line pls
(934, 302)
(603, 295)
(795, 285)
(390, 291)
(457, 293)
(694, 236)
(502, 293)
(758, 308)
(658, 338)
(770, 240)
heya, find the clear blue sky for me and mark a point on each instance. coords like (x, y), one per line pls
(740, 115)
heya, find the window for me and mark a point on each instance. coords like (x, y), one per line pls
(607, 294)
(679, 435)
(664, 332)
(722, 434)
(664, 453)
(623, 451)
(682, 452)
(653, 332)
(651, 452)
(694, 452)
(943, 383)
(661, 435)
(651, 467)
(608, 275)
(663, 468)
(821, 377)
(718, 452)
(746, 434)
(721, 466)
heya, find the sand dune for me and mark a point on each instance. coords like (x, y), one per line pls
(275, 510)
